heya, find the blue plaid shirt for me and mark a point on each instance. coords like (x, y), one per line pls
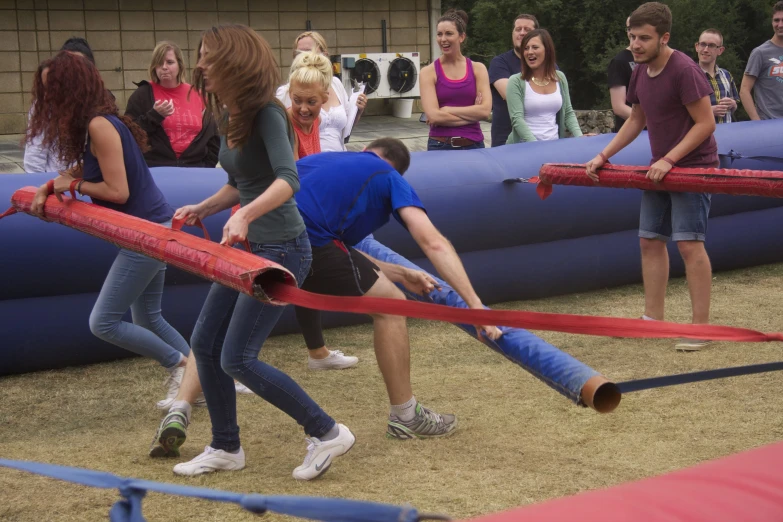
(723, 86)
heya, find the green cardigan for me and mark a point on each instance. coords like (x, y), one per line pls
(515, 97)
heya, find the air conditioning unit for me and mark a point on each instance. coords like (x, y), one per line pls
(385, 75)
(403, 75)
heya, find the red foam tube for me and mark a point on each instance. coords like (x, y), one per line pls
(228, 266)
(767, 183)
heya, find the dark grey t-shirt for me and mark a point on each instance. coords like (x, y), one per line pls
(268, 155)
(502, 66)
(619, 73)
(766, 64)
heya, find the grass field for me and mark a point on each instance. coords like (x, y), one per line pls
(519, 442)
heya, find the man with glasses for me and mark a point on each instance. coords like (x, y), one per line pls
(764, 74)
(619, 72)
(724, 95)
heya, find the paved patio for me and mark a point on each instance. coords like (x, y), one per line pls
(411, 131)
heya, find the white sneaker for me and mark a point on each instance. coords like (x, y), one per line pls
(210, 461)
(173, 382)
(241, 388)
(336, 360)
(691, 345)
(165, 404)
(320, 454)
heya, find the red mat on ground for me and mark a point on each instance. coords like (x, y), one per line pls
(767, 183)
(746, 487)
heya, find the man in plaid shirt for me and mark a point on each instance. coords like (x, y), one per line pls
(724, 95)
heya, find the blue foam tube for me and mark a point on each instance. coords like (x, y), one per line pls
(557, 369)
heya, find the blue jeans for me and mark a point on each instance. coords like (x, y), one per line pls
(679, 215)
(135, 281)
(439, 145)
(228, 337)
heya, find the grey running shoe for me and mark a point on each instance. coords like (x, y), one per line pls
(691, 345)
(170, 436)
(424, 425)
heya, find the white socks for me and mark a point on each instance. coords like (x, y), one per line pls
(404, 412)
(648, 318)
(183, 406)
(331, 434)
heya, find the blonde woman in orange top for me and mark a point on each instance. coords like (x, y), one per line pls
(309, 82)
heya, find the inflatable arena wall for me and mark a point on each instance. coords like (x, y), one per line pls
(514, 245)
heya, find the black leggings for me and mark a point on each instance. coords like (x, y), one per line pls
(336, 270)
(310, 323)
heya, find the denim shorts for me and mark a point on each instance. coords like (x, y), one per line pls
(681, 216)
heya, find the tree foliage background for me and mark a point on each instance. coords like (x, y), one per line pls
(588, 33)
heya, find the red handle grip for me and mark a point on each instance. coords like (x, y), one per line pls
(72, 188)
(178, 223)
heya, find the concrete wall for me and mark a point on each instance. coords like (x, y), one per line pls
(123, 33)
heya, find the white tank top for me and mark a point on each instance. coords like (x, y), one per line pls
(541, 112)
(333, 121)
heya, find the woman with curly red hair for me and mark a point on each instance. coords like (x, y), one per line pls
(77, 119)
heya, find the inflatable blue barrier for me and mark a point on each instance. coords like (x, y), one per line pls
(129, 508)
(513, 245)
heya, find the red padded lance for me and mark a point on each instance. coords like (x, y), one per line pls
(715, 181)
(241, 270)
(228, 266)
(575, 324)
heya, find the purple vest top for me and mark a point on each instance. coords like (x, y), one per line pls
(457, 93)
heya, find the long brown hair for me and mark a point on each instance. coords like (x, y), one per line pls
(243, 71)
(550, 59)
(63, 107)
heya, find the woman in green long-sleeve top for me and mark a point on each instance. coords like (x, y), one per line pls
(237, 76)
(538, 101)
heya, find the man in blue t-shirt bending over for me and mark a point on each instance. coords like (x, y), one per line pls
(344, 197)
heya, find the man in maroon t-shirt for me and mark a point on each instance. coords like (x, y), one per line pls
(671, 96)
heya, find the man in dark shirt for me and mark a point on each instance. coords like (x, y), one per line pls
(669, 94)
(501, 68)
(619, 72)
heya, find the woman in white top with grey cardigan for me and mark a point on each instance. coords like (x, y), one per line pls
(334, 113)
(539, 104)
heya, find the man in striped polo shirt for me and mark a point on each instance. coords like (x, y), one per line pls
(724, 95)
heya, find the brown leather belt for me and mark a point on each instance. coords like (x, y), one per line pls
(454, 141)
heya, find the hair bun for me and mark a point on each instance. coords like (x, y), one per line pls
(461, 14)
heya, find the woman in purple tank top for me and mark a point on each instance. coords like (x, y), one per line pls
(455, 90)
